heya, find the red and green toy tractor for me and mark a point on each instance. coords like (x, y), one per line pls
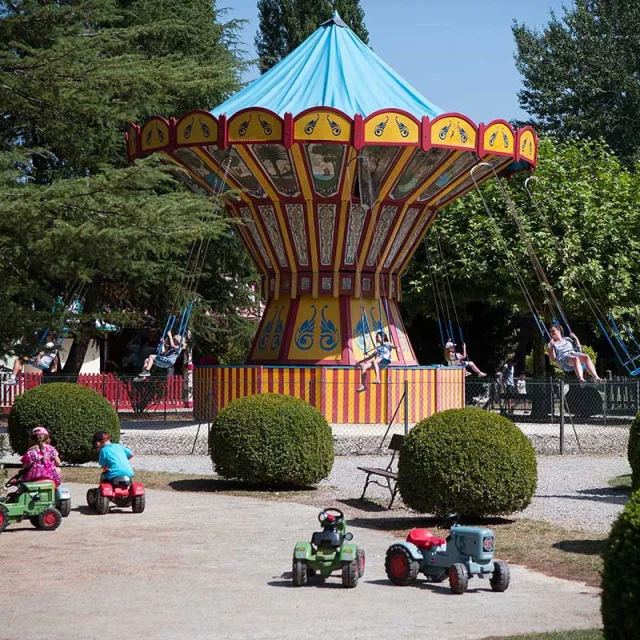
(35, 501)
(466, 552)
(329, 550)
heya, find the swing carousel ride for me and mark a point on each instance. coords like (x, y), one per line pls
(334, 168)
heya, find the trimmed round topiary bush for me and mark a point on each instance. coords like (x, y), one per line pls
(621, 575)
(70, 412)
(635, 468)
(272, 439)
(467, 461)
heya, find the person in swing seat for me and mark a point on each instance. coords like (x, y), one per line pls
(171, 349)
(46, 359)
(455, 359)
(566, 352)
(380, 358)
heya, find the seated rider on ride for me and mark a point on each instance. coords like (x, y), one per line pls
(380, 358)
(46, 359)
(171, 349)
(455, 359)
(114, 457)
(567, 354)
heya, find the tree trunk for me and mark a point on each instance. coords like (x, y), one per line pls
(76, 355)
(539, 363)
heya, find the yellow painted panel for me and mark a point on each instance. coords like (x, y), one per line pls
(499, 138)
(391, 126)
(317, 330)
(527, 146)
(154, 135)
(197, 129)
(269, 342)
(254, 125)
(323, 125)
(454, 131)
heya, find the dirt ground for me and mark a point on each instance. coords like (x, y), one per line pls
(210, 565)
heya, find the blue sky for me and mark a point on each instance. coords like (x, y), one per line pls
(457, 53)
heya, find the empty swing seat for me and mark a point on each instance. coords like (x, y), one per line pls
(424, 539)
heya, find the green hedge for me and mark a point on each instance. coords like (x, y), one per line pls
(633, 451)
(272, 440)
(467, 461)
(71, 413)
(621, 575)
(584, 401)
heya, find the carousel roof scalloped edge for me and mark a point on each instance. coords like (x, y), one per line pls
(159, 134)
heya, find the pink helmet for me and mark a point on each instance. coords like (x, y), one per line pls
(39, 431)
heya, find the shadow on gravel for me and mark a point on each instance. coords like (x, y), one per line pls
(402, 523)
(583, 547)
(364, 505)
(332, 582)
(605, 494)
(215, 485)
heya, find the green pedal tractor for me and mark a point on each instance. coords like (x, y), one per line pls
(35, 501)
(329, 550)
(466, 552)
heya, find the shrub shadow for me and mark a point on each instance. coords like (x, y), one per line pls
(216, 485)
(396, 523)
(583, 547)
(605, 494)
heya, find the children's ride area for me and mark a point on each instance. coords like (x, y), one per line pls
(329, 550)
(335, 178)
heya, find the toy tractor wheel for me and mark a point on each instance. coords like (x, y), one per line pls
(4, 517)
(458, 578)
(64, 507)
(91, 498)
(49, 519)
(102, 504)
(34, 521)
(350, 574)
(401, 568)
(501, 576)
(360, 561)
(138, 504)
(299, 573)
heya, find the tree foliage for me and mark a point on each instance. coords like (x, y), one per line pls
(285, 24)
(580, 73)
(589, 200)
(72, 75)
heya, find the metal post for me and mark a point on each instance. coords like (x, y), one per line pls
(406, 407)
(561, 417)
(606, 399)
(553, 404)
(166, 393)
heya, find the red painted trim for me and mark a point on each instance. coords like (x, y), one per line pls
(223, 132)
(248, 239)
(425, 133)
(535, 144)
(345, 321)
(358, 132)
(292, 314)
(172, 134)
(375, 114)
(288, 131)
(480, 150)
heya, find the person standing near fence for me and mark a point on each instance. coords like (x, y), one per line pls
(508, 378)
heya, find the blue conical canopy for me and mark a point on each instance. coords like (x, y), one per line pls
(331, 68)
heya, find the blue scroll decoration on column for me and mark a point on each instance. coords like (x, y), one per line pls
(279, 330)
(328, 332)
(304, 333)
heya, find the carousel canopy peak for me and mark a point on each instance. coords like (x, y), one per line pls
(331, 68)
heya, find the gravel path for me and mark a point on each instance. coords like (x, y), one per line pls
(572, 491)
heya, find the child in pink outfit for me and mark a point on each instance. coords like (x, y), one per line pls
(42, 459)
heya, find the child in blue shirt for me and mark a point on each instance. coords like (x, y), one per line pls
(381, 358)
(114, 458)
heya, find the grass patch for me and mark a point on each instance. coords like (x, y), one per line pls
(621, 482)
(578, 634)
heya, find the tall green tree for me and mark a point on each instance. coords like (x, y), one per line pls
(580, 73)
(285, 24)
(72, 74)
(589, 200)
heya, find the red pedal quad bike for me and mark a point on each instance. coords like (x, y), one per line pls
(121, 491)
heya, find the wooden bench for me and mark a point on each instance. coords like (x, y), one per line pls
(389, 475)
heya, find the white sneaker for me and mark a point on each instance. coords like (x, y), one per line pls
(376, 381)
(361, 388)
(144, 374)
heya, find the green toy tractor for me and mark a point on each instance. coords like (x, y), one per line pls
(33, 500)
(329, 550)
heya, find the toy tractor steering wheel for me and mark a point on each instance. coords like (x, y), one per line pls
(332, 514)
